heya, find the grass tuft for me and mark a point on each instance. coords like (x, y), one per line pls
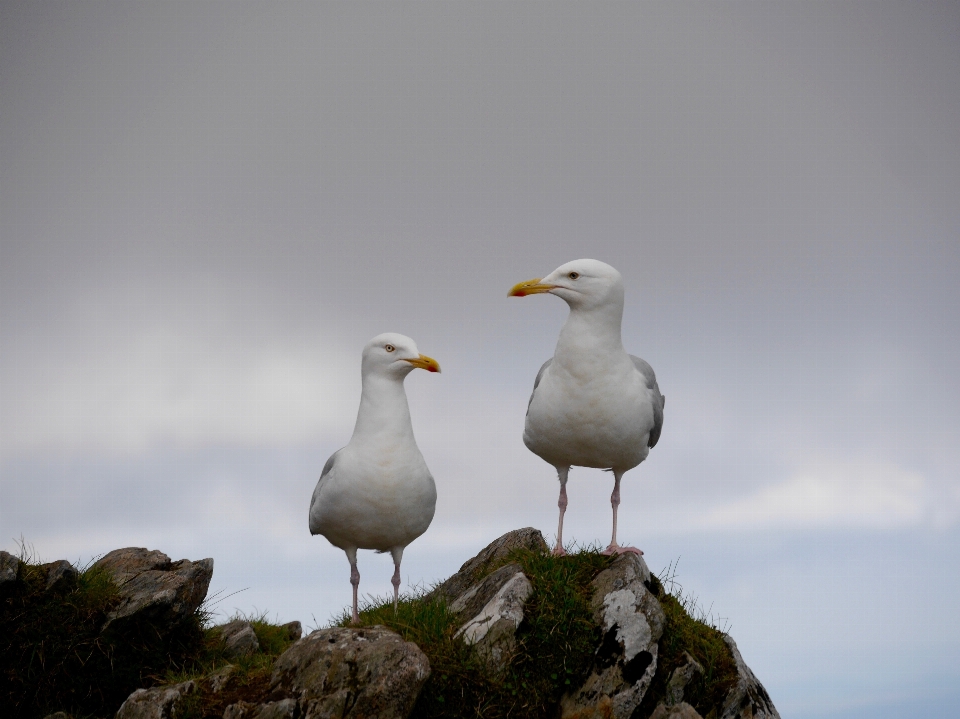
(689, 629)
(250, 675)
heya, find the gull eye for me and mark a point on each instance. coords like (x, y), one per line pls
(573, 275)
(389, 348)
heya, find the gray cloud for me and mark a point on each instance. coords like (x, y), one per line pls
(206, 210)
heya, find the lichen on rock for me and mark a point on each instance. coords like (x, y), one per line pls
(631, 623)
(347, 672)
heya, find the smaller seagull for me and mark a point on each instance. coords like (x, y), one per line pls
(377, 493)
(593, 405)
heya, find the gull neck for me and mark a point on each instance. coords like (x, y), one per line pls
(383, 409)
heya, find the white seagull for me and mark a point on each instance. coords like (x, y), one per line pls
(377, 493)
(593, 405)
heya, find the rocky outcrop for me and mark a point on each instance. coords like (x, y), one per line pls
(99, 642)
(631, 623)
(152, 588)
(347, 672)
(633, 672)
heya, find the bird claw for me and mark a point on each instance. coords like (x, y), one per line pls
(559, 551)
(617, 549)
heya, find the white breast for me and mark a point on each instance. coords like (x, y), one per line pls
(600, 420)
(378, 498)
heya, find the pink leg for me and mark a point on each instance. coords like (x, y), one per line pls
(562, 473)
(615, 548)
(397, 556)
(396, 587)
(355, 581)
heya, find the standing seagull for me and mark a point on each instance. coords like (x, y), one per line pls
(377, 493)
(593, 405)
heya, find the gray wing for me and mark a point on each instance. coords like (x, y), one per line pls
(324, 475)
(536, 382)
(644, 368)
(327, 468)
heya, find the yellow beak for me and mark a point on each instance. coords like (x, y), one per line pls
(424, 362)
(530, 287)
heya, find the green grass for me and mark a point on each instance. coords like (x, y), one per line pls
(250, 680)
(53, 656)
(688, 628)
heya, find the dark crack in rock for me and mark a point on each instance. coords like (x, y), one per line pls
(632, 621)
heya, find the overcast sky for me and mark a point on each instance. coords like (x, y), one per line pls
(206, 210)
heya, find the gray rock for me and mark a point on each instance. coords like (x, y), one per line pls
(166, 702)
(239, 639)
(61, 576)
(681, 677)
(474, 599)
(294, 630)
(631, 620)
(240, 710)
(493, 630)
(153, 588)
(126, 564)
(348, 672)
(748, 699)
(220, 678)
(9, 567)
(677, 711)
(284, 709)
(494, 553)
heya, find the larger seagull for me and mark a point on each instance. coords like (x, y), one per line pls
(377, 493)
(593, 405)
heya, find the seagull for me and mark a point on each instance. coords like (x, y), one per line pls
(593, 405)
(377, 493)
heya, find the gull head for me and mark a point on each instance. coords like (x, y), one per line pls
(582, 284)
(395, 355)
